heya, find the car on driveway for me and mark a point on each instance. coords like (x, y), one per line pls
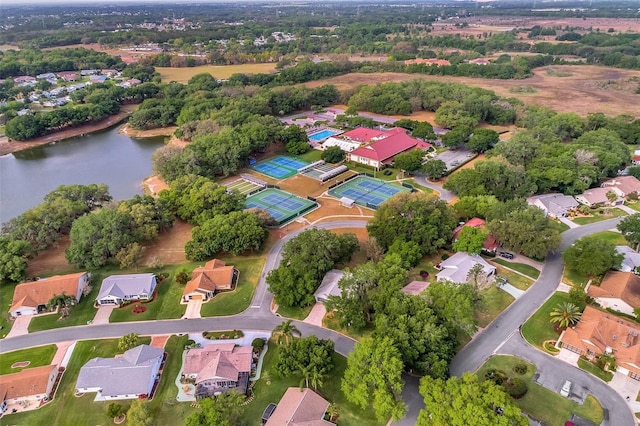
(566, 389)
(506, 255)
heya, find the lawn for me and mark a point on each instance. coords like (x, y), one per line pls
(182, 75)
(537, 329)
(311, 156)
(271, 387)
(6, 295)
(294, 312)
(595, 370)
(597, 217)
(66, 409)
(421, 188)
(541, 403)
(515, 279)
(234, 302)
(523, 268)
(331, 321)
(635, 205)
(392, 173)
(41, 355)
(573, 277)
(492, 302)
(561, 227)
(612, 237)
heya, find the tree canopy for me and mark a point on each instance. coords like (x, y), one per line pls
(630, 229)
(592, 256)
(309, 358)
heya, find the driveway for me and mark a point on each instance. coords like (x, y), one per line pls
(20, 326)
(103, 314)
(455, 158)
(316, 315)
(193, 309)
(444, 194)
(627, 387)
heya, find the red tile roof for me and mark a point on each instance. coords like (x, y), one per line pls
(362, 134)
(490, 243)
(387, 148)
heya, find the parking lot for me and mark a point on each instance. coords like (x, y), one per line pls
(455, 158)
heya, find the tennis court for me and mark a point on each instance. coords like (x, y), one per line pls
(282, 206)
(279, 167)
(367, 191)
(245, 186)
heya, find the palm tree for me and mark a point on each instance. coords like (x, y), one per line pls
(565, 314)
(333, 412)
(317, 378)
(285, 331)
(306, 371)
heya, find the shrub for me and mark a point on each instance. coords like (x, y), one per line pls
(496, 376)
(516, 387)
(445, 256)
(258, 343)
(387, 172)
(520, 369)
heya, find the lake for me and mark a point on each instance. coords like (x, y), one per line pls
(102, 157)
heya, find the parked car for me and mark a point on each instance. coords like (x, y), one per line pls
(566, 389)
(506, 255)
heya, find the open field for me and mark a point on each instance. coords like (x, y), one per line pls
(590, 88)
(222, 72)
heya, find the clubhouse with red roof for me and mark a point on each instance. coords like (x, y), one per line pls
(385, 146)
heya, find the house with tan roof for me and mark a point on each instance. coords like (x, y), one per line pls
(414, 288)
(623, 186)
(32, 297)
(600, 332)
(218, 368)
(299, 407)
(598, 196)
(206, 280)
(27, 389)
(619, 291)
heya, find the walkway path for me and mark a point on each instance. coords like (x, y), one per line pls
(61, 352)
(444, 194)
(159, 341)
(20, 326)
(515, 292)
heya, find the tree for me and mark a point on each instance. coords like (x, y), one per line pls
(466, 400)
(234, 233)
(483, 140)
(409, 161)
(296, 141)
(592, 256)
(454, 303)
(130, 256)
(475, 206)
(456, 138)
(139, 414)
(477, 276)
(565, 314)
(285, 332)
(435, 169)
(63, 301)
(13, 258)
(311, 358)
(417, 217)
(182, 277)
(222, 410)
(114, 410)
(333, 154)
(630, 229)
(470, 239)
(128, 341)
(373, 378)
(409, 251)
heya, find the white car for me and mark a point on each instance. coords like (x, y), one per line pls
(566, 389)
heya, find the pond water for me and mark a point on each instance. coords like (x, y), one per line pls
(102, 157)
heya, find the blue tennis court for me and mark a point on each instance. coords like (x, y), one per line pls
(367, 191)
(279, 167)
(282, 206)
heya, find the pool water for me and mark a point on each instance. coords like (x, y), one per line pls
(316, 137)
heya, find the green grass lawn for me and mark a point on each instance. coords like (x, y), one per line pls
(541, 403)
(537, 329)
(523, 268)
(597, 217)
(41, 355)
(378, 174)
(66, 409)
(634, 205)
(516, 280)
(234, 302)
(573, 277)
(6, 295)
(561, 227)
(350, 415)
(294, 312)
(421, 188)
(331, 321)
(492, 302)
(311, 156)
(612, 237)
(595, 370)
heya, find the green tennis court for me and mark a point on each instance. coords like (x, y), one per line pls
(282, 206)
(367, 191)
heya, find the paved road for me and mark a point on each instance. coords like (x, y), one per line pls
(444, 194)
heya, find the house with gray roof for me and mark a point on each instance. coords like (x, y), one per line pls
(631, 259)
(129, 376)
(117, 289)
(329, 286)
(554, 205)
(456, 268)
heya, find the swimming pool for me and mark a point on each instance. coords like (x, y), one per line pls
(317, 137)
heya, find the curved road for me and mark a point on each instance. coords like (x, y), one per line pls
(501, 336)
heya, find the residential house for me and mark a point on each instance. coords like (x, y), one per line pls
(98, 78)
(68, 75)
(490, 244)
(456, 268)
(214, 276)
(329, 286)
(31, 297)
(414, 288)
(437, 62)
(598, 196)
(479, 61)
(117, 289)
(631, 258)
(46, 76)
(129, 376)
(218, 368)
(623, 186)
(600, 332)
(554, 205)
(299, 407)
(88, 72)
(25, 79)
(382, 152)
(619, 291)
(109, 73)
(27, 389)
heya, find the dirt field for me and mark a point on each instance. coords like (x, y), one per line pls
(50, 261)
(588, 89)
(133, 133)
(182, 75)
(169, 247)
